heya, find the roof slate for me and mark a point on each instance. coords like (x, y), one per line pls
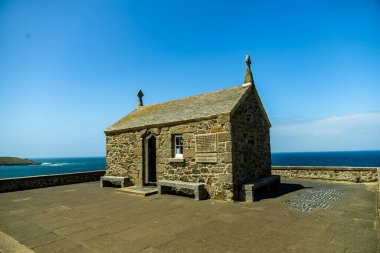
(200, 106)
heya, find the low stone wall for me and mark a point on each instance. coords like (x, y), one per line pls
(351, 174)
(26, 183)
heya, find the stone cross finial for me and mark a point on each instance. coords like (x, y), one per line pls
(140, 94)
(248, 60)
(248, 74)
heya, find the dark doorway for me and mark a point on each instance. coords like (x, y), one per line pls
(151, 160)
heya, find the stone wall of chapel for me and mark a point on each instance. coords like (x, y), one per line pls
(125, 155)
(250, 142)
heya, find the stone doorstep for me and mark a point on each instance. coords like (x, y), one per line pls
(143, 191)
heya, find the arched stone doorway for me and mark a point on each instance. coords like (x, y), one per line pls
(150, 160)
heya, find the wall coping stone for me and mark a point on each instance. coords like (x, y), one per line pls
(40, 181)
(51, 175)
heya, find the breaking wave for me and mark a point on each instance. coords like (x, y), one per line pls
(50, 166)
(56, 164)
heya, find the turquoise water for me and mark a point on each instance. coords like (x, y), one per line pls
(337, 158)
(68, 165)
(51, 166)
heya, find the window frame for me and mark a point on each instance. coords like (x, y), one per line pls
(175, 146)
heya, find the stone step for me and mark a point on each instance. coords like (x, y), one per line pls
(143, 191)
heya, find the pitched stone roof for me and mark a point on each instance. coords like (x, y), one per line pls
(201, 106)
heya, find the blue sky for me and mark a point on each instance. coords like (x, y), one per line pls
(69, 69)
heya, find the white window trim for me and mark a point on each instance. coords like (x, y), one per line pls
(175, 146)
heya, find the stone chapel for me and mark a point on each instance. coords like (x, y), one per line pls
(219, 138)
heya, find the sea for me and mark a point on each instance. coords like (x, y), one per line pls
(332, 158)
(51, 166)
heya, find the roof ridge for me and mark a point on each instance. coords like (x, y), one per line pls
(198, 106)
(209, 92)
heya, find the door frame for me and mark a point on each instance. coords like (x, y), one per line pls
(146, 158)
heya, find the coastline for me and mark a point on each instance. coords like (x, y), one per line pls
(16, 161)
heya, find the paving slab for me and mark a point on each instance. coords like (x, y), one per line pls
(303, 216)
(10, 245)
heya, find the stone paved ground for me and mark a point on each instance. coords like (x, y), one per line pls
(322, 217)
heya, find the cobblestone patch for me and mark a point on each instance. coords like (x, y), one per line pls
(312, 198)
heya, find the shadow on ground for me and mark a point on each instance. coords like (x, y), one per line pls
(285, 188)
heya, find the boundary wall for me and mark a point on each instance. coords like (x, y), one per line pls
(26, 183)
(350, 174)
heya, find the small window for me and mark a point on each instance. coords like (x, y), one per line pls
(178, 146)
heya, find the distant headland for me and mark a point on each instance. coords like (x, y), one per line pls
(12, 161)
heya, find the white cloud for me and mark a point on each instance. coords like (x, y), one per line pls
(359, 131)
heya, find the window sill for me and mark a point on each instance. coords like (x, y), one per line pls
(176, 160)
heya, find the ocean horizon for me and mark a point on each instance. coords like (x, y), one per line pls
(367, 158)
(62, 165)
